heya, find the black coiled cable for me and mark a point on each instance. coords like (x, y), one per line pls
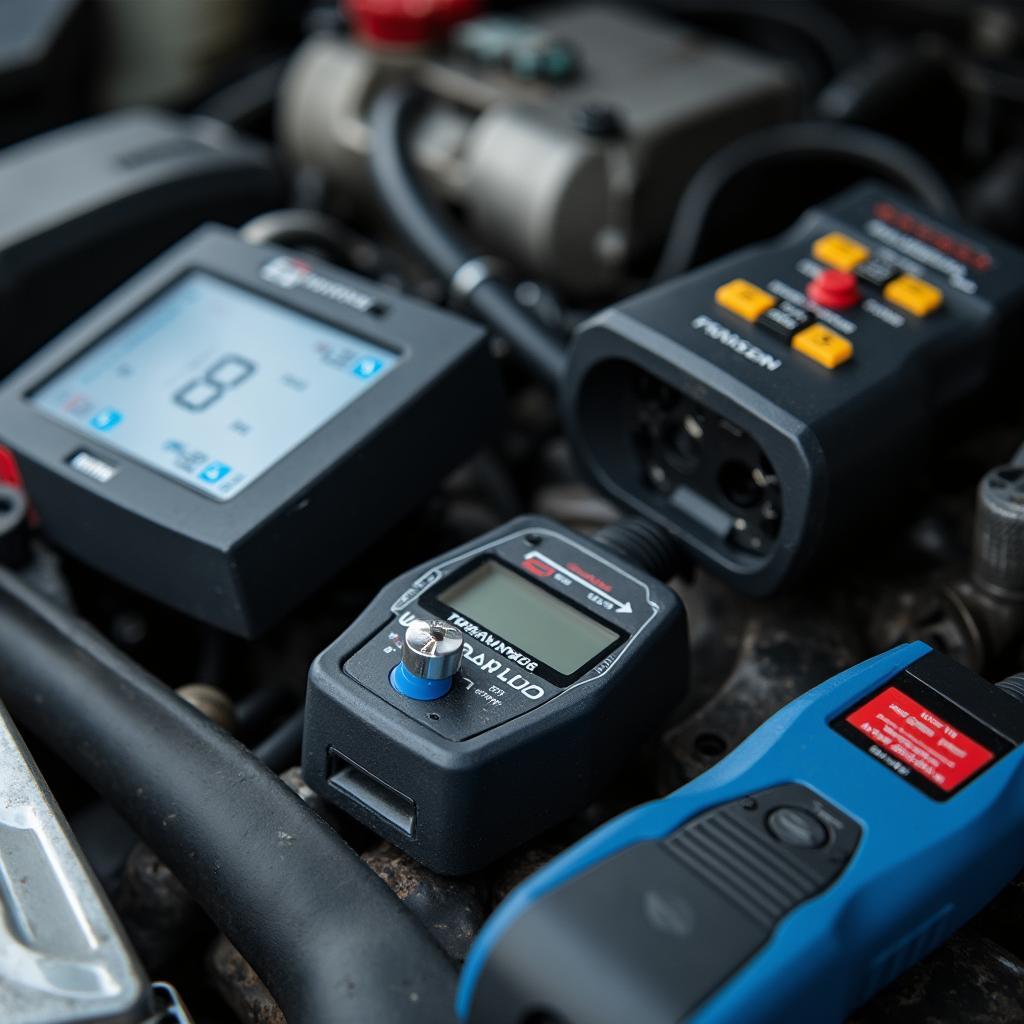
(878, 154)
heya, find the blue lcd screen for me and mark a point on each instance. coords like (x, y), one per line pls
(212, 384)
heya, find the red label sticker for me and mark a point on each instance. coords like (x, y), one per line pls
(538, 567)
(908, 732)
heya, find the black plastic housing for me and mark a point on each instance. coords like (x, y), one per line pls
(836, 445)
(244, 563)
(84, 206)
(457, 782)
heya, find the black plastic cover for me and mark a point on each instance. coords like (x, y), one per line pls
(85, 206)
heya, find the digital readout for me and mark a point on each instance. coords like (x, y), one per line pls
(213, 384)
(525, 614)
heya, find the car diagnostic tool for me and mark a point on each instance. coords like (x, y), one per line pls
(488, 695)
(841, 842)
(763, 405)
(235, 423)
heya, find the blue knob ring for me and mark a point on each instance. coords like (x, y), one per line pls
(417, 688)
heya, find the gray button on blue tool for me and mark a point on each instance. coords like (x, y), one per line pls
(796, 827)
(431, 655)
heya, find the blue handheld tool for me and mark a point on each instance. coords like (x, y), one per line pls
(841, 842)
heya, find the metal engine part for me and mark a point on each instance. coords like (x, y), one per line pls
(63, 957)
(976, 617)
(569, 178)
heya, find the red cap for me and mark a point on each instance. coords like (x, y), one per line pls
(407, 22)
(9, 471)
(834, 289)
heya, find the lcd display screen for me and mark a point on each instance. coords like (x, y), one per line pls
(527, 616)
(212, 384)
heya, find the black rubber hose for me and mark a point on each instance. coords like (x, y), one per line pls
(1013, 686)
(877, 154)
(438, 239)
(329, 939)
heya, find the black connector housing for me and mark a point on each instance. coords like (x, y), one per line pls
(754, 454)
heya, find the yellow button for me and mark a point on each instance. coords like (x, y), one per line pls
(817, 342)
(912, 294)
(839, 251)
(744, 299)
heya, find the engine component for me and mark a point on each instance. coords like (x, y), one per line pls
(83, 207)
(571, 652)
(215, 418)
(887, 799)
(763, 406)
(999, 532)
(976, 617)
(563, 138)
(63, 956)
(469, 275)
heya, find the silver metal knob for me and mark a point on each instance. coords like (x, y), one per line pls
(432, 650)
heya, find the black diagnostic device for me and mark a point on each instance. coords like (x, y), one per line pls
(489, 694)
(237, 422)
(763, 405)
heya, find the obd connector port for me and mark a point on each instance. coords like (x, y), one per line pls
(690, 452)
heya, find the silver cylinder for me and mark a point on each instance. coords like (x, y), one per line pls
(999, 531)
(570, 197)
(432, 650)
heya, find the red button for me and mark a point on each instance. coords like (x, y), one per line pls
(407, 22)
(834, 289)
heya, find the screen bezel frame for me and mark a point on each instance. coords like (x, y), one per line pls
(432, 603)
